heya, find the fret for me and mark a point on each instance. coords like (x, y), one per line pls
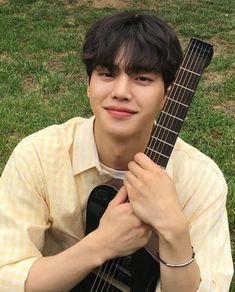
(184, 87)
(158, 158)
(181, 95)
(178, 102)
(160, 147)
(157, 139)
(167, 129)
(156, 152)
(196, 66)
(188, 79)
(170, 123)
(166, 136)
(190, 71)
(175, 111)
(172, 116)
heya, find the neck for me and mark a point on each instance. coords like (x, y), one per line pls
(116, 153)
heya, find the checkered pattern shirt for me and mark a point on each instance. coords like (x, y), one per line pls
(44, 190)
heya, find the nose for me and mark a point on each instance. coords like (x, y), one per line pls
(122, 88)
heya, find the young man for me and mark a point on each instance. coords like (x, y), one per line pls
(131, 61)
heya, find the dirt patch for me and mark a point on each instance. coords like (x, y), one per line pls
(220, 46)
(54, 65)
(217, 77)
(110, 3)
(227, 107)
(6, 57)
(98, 3)
(74, 4)
(29, 83)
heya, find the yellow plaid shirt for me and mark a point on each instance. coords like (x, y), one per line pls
(45, 186)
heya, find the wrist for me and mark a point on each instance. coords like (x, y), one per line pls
(99, 246)
(174, 230)
(175, 244)
(95, 248)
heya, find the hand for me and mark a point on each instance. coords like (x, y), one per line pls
(121, 230)
(152, 195)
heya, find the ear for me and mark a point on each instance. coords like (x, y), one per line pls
(168, 90)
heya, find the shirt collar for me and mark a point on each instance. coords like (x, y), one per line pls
(85, 155)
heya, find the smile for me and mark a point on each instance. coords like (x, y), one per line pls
(120, 112)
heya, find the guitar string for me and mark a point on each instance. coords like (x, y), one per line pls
(170, 123)
(120, 277)
(152, 141)
(162, 120)
(107, 275)
(110, 282)
(197, 68)
(188, 77)
(98, 277)
(112, 276)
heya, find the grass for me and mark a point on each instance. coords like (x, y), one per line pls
(43, 80)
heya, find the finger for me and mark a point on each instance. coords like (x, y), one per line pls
(131, 178)
(121, 197)
(135, 169)
(144, 161)
(128, 186)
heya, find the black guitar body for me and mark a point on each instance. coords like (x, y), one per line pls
(138, 272)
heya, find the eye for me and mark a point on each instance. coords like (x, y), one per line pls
(143, 80)
(105, 74)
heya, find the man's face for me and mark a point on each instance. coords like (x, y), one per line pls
(124, 104)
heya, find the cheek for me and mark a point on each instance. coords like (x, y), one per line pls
(156, 101)
(96, 91)
(161, 98)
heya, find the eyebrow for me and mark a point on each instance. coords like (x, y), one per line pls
(115, 68)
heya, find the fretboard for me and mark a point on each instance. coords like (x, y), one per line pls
(198, 55)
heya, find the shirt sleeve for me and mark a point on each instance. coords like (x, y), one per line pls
(205, 209)
(209, 233)
(24, 216)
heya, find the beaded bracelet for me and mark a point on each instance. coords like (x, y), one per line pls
(177, 265)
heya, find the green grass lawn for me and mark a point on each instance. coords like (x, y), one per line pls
(43, 80)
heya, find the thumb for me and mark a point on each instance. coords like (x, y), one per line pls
(121, 197)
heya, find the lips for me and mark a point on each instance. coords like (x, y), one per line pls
(120, 111)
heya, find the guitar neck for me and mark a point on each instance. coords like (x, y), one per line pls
(198, 55)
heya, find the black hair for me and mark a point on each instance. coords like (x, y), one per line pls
(145, 42)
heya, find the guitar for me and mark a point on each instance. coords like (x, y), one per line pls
(140, 271)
